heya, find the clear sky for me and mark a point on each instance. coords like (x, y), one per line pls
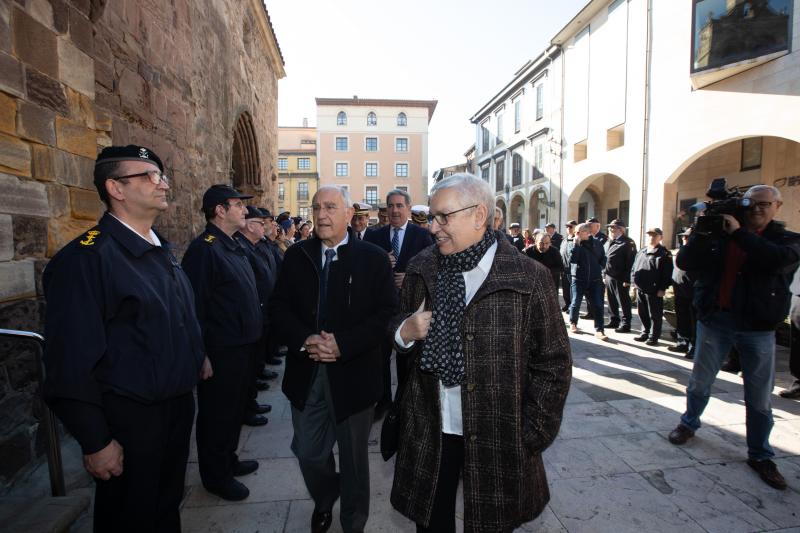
(459, 52)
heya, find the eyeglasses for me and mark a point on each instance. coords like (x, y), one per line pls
(441, 218)
(155, 176)
(762, 205)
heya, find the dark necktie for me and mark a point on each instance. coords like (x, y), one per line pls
(358, 234)
(396, 243)
(330, 253)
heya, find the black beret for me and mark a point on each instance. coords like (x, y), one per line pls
(219, 194)
(593, 220)
(265, 213)
(111, 154)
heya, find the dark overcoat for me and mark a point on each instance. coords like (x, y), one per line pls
(361, 301)
(518, 370)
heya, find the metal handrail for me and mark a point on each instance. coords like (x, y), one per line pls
(54, 463)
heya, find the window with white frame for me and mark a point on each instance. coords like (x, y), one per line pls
(303, 212)
(341, 144)
(302, 190)
(342, 169)
(401, 170)
(371, 144)
(283, 163)
(372, 119)
(539, 101)
(538, 159)
(402, 120)
(516, 170)
(341, 119)
(517, 115)
(485, 137)
(371, 169)
(371, 194)
(303, 163)
(485, 173)
(281, 191)
(403, 188)
(401, 144)
(499, 129)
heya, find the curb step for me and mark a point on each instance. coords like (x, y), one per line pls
(52, 514)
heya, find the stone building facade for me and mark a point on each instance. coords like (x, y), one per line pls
(195, 81)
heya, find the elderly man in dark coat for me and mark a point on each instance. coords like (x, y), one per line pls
(334, 328)
(485, 396)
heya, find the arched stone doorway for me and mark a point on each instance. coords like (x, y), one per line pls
(502, 205)
(602, 196)
(742, 162)
(516, 210)
(538, 209)
(245, 161)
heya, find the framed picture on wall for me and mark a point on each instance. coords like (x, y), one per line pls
(751, 153)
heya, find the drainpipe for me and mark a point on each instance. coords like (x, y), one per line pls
(646, 128)
(561, 221)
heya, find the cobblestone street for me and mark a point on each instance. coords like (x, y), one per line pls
(611, 468)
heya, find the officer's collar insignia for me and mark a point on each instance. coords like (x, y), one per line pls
(90, 235)
(143, 153)
(209, 238)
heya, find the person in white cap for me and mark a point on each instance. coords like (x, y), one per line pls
(419, 215)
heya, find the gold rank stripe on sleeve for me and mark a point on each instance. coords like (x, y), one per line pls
(88, 240)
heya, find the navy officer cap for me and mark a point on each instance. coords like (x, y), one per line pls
(219, 194)
(253, 212)
(112, 154)
(265, 213)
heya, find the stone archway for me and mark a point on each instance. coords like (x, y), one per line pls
(245, 161)
(516, 210)
(500, 203)
(602, 196)
(743, 162)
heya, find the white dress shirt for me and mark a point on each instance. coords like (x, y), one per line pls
(335, 248)
(450, 397)
(153, 237)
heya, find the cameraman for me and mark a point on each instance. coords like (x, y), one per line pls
(741, 295)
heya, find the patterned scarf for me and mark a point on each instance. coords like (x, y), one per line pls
(442, 354)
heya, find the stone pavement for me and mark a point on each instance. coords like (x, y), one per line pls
(610, 469)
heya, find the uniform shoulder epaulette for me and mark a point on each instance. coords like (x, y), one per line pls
(91, 238)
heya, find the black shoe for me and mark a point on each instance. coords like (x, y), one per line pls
(611, 325)
(587, 316)
(641, 338)
(259, 408)
(792, 392)
(652, 342)
(564, 309)
(267, 375)
(731, 367)
(768, 473)
(233, 491)
(321, 521)
(273, 361)
(255, 420)
(242, 468)
(625, 328)
(679, 348)
(680, 435)
(689, 355)
(261, 385)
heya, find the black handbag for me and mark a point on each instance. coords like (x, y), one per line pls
(390, 432)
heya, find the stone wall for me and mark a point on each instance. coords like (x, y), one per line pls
(78, 75)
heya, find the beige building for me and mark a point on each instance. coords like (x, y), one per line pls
(297, 170)
(374, 146)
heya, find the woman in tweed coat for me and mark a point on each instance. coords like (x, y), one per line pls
(494, 402)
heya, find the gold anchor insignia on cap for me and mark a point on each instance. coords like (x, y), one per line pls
(90, 235)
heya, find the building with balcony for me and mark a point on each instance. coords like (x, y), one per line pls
(298, 178)
(371, 146)
(657, 100)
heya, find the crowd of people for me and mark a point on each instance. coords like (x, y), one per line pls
(482, 356)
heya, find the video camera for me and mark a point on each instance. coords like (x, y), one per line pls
(724, 201)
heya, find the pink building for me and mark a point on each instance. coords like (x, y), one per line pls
(372, 146)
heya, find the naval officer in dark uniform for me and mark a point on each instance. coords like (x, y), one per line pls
(124, 349)
(229, 314)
